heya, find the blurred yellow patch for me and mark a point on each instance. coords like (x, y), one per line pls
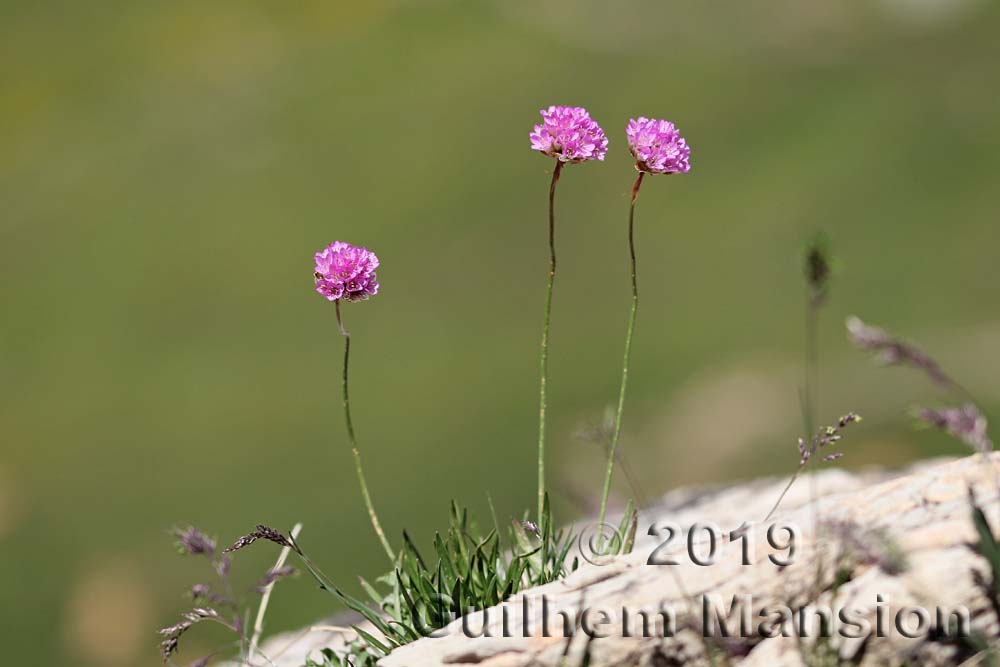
(109, 615)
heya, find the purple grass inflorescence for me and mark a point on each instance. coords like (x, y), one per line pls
(262, 532)
(966, 423)
(345, 271)
(657, 146)
(893, 351)
(826, 436)
(273, 575)
(193, 542)
(569, 134)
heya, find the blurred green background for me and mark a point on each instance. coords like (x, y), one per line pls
(168, 169)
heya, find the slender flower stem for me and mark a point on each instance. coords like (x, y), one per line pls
(545, 339)
(354, 442)
(628, 350)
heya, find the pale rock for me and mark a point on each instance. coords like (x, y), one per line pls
(923, 510)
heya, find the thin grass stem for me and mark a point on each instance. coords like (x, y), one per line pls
(265, 598)
(788, 486)
(809, 407)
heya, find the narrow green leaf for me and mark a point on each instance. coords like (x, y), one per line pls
(411, 605)
(493, 512)
(370, 615)
(371, 641)
(408, 632)
(987, 545)
(630, 535)
(370, 590)
(413, 547)
(444, 556)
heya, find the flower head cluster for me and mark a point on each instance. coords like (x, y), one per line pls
(344, 271)
(570, 135)
(657, 146)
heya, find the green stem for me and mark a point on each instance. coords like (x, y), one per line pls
(545, 339)
(354, 442)
(811, 388)
(628, 350)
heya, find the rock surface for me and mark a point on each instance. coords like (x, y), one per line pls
(885, 541)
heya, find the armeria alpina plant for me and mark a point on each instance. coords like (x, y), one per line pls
(571, 136)
(473, 570)
(347, 273)
(658, 148)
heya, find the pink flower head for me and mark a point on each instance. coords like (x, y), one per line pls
(657, 146)
(570, 135)
(344, 271)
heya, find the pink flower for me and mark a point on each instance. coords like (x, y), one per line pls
(569, 134)
(657, 146)
(344, 271)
